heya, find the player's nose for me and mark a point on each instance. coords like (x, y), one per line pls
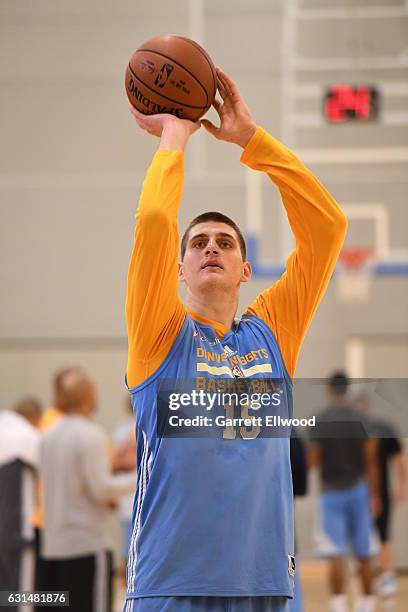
(212, 246)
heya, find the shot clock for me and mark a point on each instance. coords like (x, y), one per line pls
(345, 103)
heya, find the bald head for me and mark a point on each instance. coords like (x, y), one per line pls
(58, 383)
(76, 392)
(29, 408)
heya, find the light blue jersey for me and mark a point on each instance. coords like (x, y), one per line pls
(212, 515)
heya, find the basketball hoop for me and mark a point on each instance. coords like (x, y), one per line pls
(354, 273)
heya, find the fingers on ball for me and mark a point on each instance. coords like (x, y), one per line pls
(228, 83)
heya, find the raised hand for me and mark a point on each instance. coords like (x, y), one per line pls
(236, 123)
(154, 124)
(173, 132)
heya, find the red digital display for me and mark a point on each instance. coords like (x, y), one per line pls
(344, 103)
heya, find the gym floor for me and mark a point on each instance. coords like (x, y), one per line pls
(315, 594)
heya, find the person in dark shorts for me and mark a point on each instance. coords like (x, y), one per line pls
(79, 493)
(19, 453)
(390, 453)
(298, 464)
(346, 458)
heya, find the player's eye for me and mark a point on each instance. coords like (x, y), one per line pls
(199, 244)
(225, 244)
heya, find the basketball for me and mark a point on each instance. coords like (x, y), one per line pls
(171, 74)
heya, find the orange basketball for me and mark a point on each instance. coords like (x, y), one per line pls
(171, 74)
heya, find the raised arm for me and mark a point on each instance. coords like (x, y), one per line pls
(316, 220)
(319, 227)
(154, 311)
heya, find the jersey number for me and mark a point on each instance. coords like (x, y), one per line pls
(247, 433)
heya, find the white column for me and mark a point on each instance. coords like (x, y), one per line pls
(196, 31)
(354, 357)
(288, 93)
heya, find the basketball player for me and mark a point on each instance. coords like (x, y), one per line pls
(213, 517)
(345, 454)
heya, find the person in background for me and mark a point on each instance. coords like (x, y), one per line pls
(298, 464)
(79, 492)
(53, 412)
(19, 450)
(124, 442)
(347, 460)
(48, 418)
(30, 409)
(390, 454)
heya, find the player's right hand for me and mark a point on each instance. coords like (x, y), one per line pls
(236, 122)
(155, 124)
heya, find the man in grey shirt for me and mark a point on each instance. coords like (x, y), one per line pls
(79, 492)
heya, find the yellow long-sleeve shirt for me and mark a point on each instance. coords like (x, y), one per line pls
(154, 311)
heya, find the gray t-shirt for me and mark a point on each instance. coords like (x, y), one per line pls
(77, 488)
(341, 431)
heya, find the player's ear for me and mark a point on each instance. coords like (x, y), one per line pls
(246, 272)
(181, 276)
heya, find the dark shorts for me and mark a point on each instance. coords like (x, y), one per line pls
(88, 580)
(17, 551)
(17, 568)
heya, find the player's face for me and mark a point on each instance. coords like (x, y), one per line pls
(213, 258)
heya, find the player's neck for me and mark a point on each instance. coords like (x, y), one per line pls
(212, 307)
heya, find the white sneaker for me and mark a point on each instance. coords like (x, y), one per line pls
(386, 585)
(389, 604)
(338, 603)
(365, 604)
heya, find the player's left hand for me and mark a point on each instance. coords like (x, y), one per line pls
(155, 124)
(236, 125)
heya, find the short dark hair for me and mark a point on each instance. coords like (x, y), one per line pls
(338, 383)
(29, 407)
(219, 218)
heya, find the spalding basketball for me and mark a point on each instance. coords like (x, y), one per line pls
(171, 74)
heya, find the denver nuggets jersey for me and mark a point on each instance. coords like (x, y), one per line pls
(213, 515)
